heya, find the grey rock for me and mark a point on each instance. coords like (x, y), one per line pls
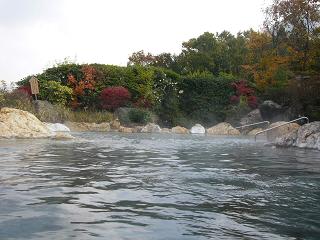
(271, 111)
(252, 117)
(307, 136)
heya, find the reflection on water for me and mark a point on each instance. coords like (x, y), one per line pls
(113, 186)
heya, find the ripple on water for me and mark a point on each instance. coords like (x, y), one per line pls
(117, 186)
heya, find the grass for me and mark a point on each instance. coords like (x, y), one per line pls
(90, 116)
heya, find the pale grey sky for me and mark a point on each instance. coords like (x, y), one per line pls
(36, 33)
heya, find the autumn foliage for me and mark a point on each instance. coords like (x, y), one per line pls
(114, 97)
(245, 93)
(83, 86)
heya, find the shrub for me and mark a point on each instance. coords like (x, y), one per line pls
(140, 116)
(55, 93)
(244, 94)
(90, 116)
(17, 99)
(114, 97)
(204, 98)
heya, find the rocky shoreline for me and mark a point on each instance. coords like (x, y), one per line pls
(306, 136)
(16, 123)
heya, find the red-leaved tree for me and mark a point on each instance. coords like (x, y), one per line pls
(243, 91)
(114, 97)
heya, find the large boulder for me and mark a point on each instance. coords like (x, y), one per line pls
(49, 112)
(253, 132)
(21, 124)
(307, 136)
(179, 130)
(151, 128)
(88, 127)
(272, 111)
(223, 129)
(281, 131)
(252, 117)
(198, 129)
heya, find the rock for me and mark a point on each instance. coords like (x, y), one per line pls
(252, 117)
(90, 127)
(179, 130)
(307, 136)
(254, 131)
(21, 124)
(281, 131)
(271, 111)
(197, 129)
(223, 129)
(125, 130)
(57, 127)
(62, 136)
(165, 130)
(48, 112)
(137, 129)
(115, 124)
(151, 128)
(287, 140)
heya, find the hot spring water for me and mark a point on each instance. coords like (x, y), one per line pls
(146, 186)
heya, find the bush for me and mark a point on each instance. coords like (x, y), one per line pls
(114, 97)
(139, 116)
(244, 94)
(17, 99)
(90, 116)
(204, 98)
(55, 93)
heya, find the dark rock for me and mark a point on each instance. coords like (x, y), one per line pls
(271, 111)
(252, 117)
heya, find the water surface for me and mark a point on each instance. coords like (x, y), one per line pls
(144, 186)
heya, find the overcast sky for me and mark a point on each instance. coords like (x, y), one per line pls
(34, 34)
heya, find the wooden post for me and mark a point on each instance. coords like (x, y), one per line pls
(34, 84)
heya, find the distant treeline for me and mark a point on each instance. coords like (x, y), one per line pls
(215, 75)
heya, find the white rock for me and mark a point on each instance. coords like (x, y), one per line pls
(57, 127)
(197, 129)
(151, 128)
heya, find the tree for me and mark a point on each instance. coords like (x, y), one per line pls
(141, 58)
(114, 97)
(297, 22)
